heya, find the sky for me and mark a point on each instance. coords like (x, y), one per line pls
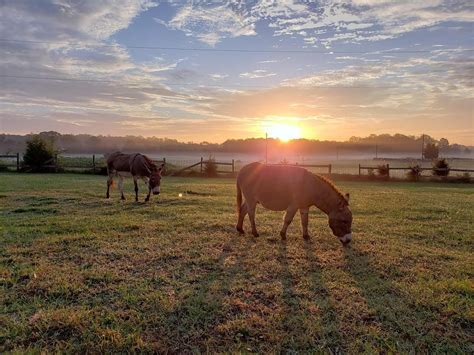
(213, 70)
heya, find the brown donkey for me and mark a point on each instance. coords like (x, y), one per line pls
(136, 165)
(290, 188)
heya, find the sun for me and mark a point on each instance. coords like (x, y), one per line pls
(283, 131)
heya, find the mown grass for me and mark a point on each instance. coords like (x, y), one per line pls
(80, 273)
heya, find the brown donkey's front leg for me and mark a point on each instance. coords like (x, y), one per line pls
(304, 213)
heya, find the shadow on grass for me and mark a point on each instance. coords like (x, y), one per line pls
(191, 325)
(406, 326)
(303, 334)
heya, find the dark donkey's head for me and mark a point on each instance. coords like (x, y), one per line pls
(340, 221)
(155, 180)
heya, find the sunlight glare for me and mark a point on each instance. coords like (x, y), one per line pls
(283, 131)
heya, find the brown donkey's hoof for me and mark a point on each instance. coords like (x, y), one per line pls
(306, 237)
(240, 230)
(283, 236)
(255, 234)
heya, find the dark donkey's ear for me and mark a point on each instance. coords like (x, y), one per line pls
(161, 168)
(347, 197)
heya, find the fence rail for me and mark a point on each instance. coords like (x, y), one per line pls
(203, 162)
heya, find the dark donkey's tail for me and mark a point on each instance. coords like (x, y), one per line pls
(239, 198)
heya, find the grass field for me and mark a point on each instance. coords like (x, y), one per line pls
(78, 272)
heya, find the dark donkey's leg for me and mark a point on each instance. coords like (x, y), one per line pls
(120, 184)
(136, 188)
(147, 182)
(110, 181)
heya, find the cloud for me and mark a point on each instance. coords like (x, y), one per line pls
(210, 24)
(257, 74)
(322, 22)
(218, 76)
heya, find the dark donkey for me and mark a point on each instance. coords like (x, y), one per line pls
(290, 188)
(136, 165)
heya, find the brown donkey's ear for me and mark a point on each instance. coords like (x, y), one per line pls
(348, 197)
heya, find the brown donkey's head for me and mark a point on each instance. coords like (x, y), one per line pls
(155, 180)
(340, 221)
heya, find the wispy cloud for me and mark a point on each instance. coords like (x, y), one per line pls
(257, 74)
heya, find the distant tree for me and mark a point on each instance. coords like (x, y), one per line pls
(441, 167)
(39, 152)
(431, 151)
(443, 143)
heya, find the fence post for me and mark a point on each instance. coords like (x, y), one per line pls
(233, 169)
(359, 169)
(17, 161)
(201, 164)
(388, 171)
(330, 168)
(164, 160)
(93, 163)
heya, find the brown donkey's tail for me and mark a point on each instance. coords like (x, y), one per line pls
(239, 198)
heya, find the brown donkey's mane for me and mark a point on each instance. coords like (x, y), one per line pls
(331, 184)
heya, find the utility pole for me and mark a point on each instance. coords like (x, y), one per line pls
(266, 148)
(422, 146)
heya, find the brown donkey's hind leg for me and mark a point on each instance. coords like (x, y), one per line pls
(251, 207)
(240, 222)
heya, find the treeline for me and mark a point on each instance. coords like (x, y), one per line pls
(89, 144)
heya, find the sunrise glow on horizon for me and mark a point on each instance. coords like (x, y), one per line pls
(282, 131)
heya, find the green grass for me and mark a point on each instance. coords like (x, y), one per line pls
(78, 272)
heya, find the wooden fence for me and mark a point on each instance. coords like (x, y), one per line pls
(96, 164)
(10, 156)
(203, 162)
(388, 168)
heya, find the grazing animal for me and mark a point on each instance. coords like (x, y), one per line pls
(136, 165)
(291, 188)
